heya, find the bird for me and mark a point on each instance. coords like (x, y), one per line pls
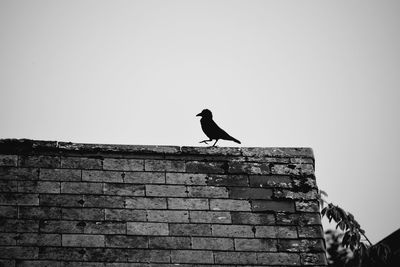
(212, 130)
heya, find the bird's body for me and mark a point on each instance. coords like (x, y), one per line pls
(211, 129)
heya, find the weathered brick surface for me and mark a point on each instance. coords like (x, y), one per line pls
(123, 164)
(72, 240)
(145, 228)
(190, 229)
(83, 205)
(169, 242)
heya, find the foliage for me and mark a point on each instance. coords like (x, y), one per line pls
(354, 238)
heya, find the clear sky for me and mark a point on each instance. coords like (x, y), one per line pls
(320, 74)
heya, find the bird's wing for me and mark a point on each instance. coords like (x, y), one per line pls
(213, 131)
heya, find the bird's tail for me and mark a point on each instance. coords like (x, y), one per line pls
(235, 140)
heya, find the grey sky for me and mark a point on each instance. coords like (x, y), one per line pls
(323, 74)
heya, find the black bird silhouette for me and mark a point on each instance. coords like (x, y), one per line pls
(212, 130)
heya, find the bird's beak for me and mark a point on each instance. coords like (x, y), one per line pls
(198, 114)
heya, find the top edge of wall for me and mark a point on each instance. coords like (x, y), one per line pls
(18, 146)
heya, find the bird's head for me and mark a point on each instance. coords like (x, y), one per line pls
(205, 114)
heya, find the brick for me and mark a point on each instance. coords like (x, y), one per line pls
(81, 188)
(124, 241)
(39, 161)
(68, 227)
(169, 242)
(279, 258)
(286, 232)
(301, 245)
(229, 205)
(206, 167)
(302, 160)
(62, 253)
(147, 228)
(19, 252)
(105, 227)
(9, 263)
(13, 225)
(8, 212)
(146, 203)
(210, 217)
(153, 256)
(228, 180)
(99, 201)
(212, 243)
(81, 163)
(191, 256)
(252, 218)
(35, 239)
(250, 193)
(288, 194)
(164, 165)
(9, 239)
(123, 164)
(271, 205)
(298, 218)
(8, 186)
(313, 259)
(207, 191)
(11, 173)
(190, 229)
(232, 230)
(106, 255)
(188, 204)
(236, 167)
(19, 199)
(8, 160)
(245, 244)
(166, 191)
(125, 215)
(60, 175)
(103, 176)
(124, 189)
(95, 214)
(235, 257)
(39, 213)
(60, 200)
(186, 178)
(144, 178)
(73, 240)
(38, 263)
(38, 187)
(293, 169)
(267, 181)
(307, 206)
(275, 231)
(311, 231)
(167, 216)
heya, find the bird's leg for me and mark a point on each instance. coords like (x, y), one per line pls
(215, 142)
(205, 141)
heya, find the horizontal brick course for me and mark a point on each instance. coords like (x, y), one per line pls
(166, 191)
(191, 256)
(123, 164)
(84, 205)
(124, 189)
(81, 163)
(212, 243)
(72, 240)
(65, 175)
(169, 242)
(188, 204)
(147, 228)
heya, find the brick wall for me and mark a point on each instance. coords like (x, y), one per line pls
(65, 204)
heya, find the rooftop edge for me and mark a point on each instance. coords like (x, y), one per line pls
(28, 146)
